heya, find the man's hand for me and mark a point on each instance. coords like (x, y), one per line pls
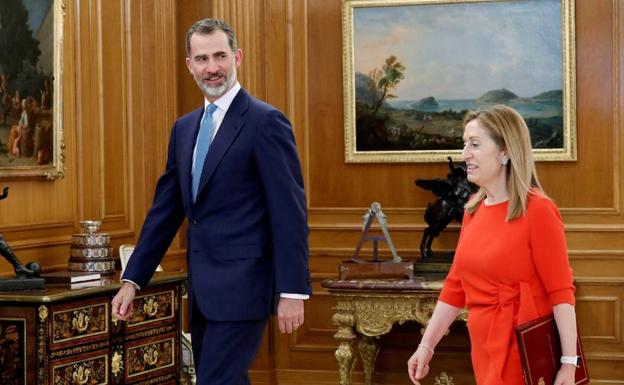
(289, 314)
(122, 302)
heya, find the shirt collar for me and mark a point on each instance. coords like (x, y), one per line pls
(226, 99)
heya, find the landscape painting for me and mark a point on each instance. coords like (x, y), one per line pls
(414, 68)
(31, 140)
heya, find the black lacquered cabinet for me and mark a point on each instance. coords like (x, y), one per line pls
(67, 336)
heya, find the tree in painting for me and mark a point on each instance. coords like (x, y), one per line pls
(17, 43)
(373, 92)
(385, 79)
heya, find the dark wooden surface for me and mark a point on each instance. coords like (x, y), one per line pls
(59, 292)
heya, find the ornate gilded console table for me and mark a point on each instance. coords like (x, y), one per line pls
(369, 308)
(62, 336)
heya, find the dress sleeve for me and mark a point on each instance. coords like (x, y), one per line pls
(549, 250)
(453, 291)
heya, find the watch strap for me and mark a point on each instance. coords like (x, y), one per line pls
(572, 360)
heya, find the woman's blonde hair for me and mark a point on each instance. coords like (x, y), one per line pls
(510, 132)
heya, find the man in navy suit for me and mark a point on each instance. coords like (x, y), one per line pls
(233, 171)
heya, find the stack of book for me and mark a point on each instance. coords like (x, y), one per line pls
(76, 279)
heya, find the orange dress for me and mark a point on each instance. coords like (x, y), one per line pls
(507, 273)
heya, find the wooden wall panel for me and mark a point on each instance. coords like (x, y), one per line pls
(339, 193)
(112, 107)
(118, 109)
(126, 82)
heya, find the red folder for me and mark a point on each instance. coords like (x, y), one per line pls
(540, 351)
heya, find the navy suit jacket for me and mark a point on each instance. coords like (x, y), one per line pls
(247, 232)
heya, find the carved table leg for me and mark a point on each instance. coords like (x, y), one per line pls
(369, 348)
(345, 356)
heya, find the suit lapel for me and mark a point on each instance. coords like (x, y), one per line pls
(228, 131)
(187, 142)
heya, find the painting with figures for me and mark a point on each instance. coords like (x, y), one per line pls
(29, 120)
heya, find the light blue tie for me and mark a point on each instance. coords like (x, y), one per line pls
(203, 143)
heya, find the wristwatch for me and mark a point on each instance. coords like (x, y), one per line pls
(572, 360)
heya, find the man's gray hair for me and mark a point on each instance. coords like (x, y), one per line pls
(208, 26)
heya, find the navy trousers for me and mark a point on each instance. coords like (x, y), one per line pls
(224, 351)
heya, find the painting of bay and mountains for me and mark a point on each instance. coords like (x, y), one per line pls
(419, 68)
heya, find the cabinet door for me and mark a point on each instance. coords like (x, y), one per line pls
(89, 368)
(153, 358)
(17, 345)
(79, 323)
(153, 307)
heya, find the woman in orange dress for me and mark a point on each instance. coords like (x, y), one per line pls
(511, 263)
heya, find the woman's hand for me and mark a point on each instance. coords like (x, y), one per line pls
(418, 364)
(565, 376)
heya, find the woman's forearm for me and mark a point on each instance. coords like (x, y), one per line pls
(442, 317)
(565, 317)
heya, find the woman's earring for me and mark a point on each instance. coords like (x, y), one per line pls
(504, 162)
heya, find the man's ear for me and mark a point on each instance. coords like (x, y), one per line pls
(238, 57)
(188, 64)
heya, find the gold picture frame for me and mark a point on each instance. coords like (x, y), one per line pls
(380, 42)
(31, 93)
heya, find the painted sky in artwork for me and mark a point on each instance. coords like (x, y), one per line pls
(37, 10)
(461, 51)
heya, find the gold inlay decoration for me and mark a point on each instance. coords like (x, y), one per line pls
(116, 363)
(43, 312)
(444, 379)
(91, 371)
(152, 307)
(149, 357)
(81, 349)
(81, 321)
(81, 375)
(77, 323)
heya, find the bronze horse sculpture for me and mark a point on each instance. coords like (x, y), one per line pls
(452, 194)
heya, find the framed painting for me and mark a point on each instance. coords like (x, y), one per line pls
(31, 132)
(413, 68)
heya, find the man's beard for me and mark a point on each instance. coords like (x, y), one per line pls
(220, 90)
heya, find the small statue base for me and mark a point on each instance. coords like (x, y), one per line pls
(21, 283)
(439, 263)
(376, 270)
